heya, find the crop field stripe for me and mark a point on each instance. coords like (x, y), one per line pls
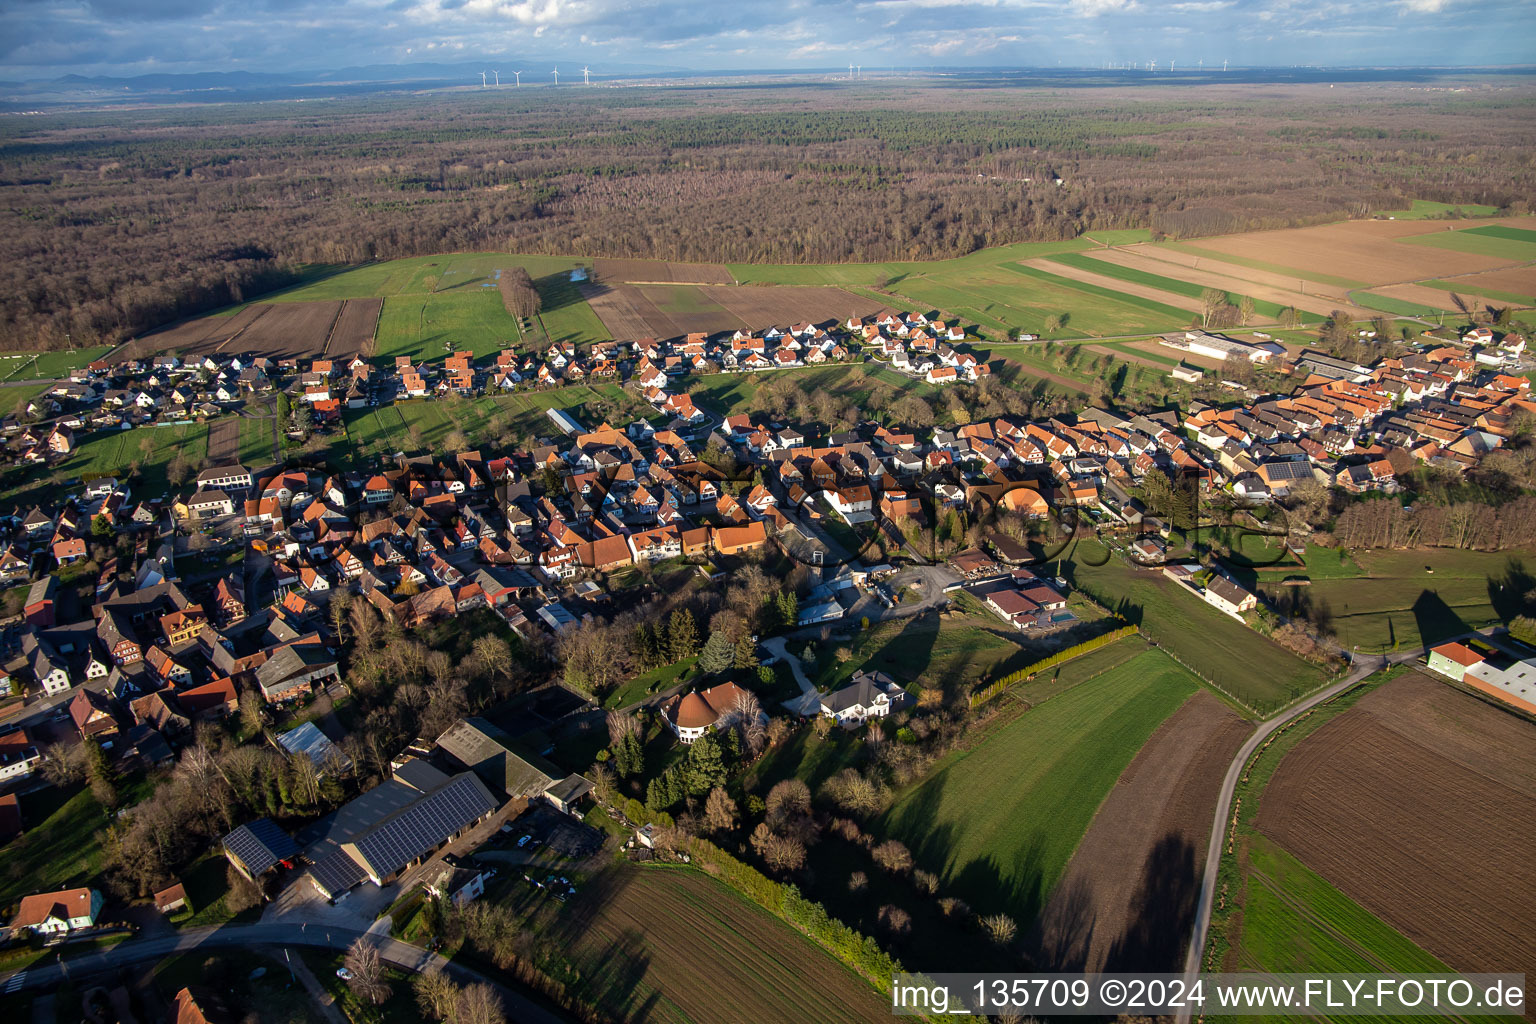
(1476, 244)
(1188, 289)
(1273, 268)
(1500, 231)
(1485, 293)
(1174, 314)
(1387, 304)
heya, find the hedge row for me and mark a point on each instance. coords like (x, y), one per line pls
(860, 952)
(1067, 654)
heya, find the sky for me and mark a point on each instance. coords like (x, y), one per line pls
(45, 38)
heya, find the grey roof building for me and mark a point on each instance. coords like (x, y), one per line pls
(258, 847)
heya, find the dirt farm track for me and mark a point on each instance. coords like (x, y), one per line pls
(1420, 804)
(1127, 899)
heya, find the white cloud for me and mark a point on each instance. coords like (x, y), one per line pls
(1425, 6)
(1094, 8)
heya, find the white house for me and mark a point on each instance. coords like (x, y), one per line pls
(1228, 596)
(55, 913)
(693, 715)
(868, 695)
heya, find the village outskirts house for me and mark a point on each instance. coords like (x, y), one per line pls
(1227, 596)
(58, 913)
(868, 695)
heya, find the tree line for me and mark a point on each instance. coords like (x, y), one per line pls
(117, 222)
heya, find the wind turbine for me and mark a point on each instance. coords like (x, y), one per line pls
(850, 72)
(1152, 67)
(859, 68)
(586, 76)
(482, 79)
(1171, 65)
(519, 76)
(557, 76)
(498, 78)
(1223, 65)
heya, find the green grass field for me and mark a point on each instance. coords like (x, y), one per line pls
(1476, 240)
(1504, 231)
(731, 393)
(1423, 208)
(1294, 920)
(372, 433)
(256, 441)
(1402, 307)
(1396, 603)
(566, 315)
(112, 453)
(46, 365)
(1162, 315)
(59, 847)
(999, 822)
(1239, 661)
(844, 275)
(1485, 293)
(1127, 236)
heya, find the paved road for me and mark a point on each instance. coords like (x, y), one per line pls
(1368, 667)
(399, 954)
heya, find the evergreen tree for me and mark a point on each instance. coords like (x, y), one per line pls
(682, 635)
(717, 655)
(706, 766)
(788, 608)
(745, 654)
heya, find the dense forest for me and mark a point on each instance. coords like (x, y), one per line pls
(116, 221)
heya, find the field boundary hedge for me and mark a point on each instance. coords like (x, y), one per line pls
(996, 687)
(859, 952)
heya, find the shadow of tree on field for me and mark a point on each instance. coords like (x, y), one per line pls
(1163, 910)
(1510, 594)
(1435, 619)
(1062, 934)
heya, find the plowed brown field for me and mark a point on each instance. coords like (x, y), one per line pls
(1433, 297)
(224, 441)
(1420, 804)
(1211, 275)
(784, 305)
(194, 337)
(1127, 899)
(670, 944)
(1185, 262)
(355, 327)
(634, 311)
(1516, 280)
(288, 329)
(658, 271)
(1361, 250)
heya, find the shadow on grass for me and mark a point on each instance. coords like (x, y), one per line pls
(1435, 619)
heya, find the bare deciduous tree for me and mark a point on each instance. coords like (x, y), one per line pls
(367, 969)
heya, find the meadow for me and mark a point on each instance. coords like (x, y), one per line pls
(1403, 599)
(1493, 240)
(1238, 661)
(999, 822)
(61, 846)
(46, 365)
(519, 417)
